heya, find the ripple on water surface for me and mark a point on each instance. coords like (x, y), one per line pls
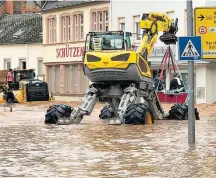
(94, 149)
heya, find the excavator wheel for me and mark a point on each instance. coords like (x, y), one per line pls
(107, 112)
(139, 114)
(180, 112)
(56, 111)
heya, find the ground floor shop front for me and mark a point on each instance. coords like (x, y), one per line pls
(64, 73)
(66, 79)
(64, 69)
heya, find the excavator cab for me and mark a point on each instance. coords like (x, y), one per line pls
(109, 40)
(109, 57)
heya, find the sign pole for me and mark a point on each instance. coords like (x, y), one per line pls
(191, 119)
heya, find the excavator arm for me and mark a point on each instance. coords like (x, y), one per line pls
(152, 24)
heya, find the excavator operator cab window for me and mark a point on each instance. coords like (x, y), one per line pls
(110, 40)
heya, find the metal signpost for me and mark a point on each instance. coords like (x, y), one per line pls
(190, 49)
(205, 26)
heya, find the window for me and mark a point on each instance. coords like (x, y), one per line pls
(51, 30)
(136, 28)
(112, 41)
(22, 64)
(63, 28)
(81, 27)
(66, 28)
(121, 23)
(170, 14)
(94, 21)
(40, 67)
(7, 64)
(122, 26)
(54, 29)
(100, 20)
(78, 27)
(106, 22)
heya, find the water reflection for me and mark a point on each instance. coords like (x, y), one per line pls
(94, 149)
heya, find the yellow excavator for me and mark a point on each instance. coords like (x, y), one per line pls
(120, 75)
(24, 87)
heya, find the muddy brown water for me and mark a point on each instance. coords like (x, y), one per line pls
(94, 149)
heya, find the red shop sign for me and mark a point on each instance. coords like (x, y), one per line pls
(68, 51)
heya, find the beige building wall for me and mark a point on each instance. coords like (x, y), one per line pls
(64, 40)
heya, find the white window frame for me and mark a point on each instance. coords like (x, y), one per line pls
(68, 21)
(63, 28)
(20, 62)
(106, 19)
(137, 29)
(54, 29)
(100, 20)
(170, 14)
(81, 19)
(50, 30)
(76, 30)
(7, 60)
(94, 17)
(40, 59)
(121, 23)
(122, 26)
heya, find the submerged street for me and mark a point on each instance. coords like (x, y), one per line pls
(29, 148)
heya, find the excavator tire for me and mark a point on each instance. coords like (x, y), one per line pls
(106, 113)
(180, 112)
(138, 114)
(56, 111)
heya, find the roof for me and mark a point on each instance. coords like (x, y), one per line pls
(50, 5)
(21, 29)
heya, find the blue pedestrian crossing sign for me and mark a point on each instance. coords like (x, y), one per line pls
(190, 48)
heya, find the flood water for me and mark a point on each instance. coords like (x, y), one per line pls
(93, 149)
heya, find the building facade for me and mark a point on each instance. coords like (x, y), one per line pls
(29, 56)
(21, 43)
(65, 27)
(128, 20)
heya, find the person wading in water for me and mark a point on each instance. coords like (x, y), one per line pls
(9, 78)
